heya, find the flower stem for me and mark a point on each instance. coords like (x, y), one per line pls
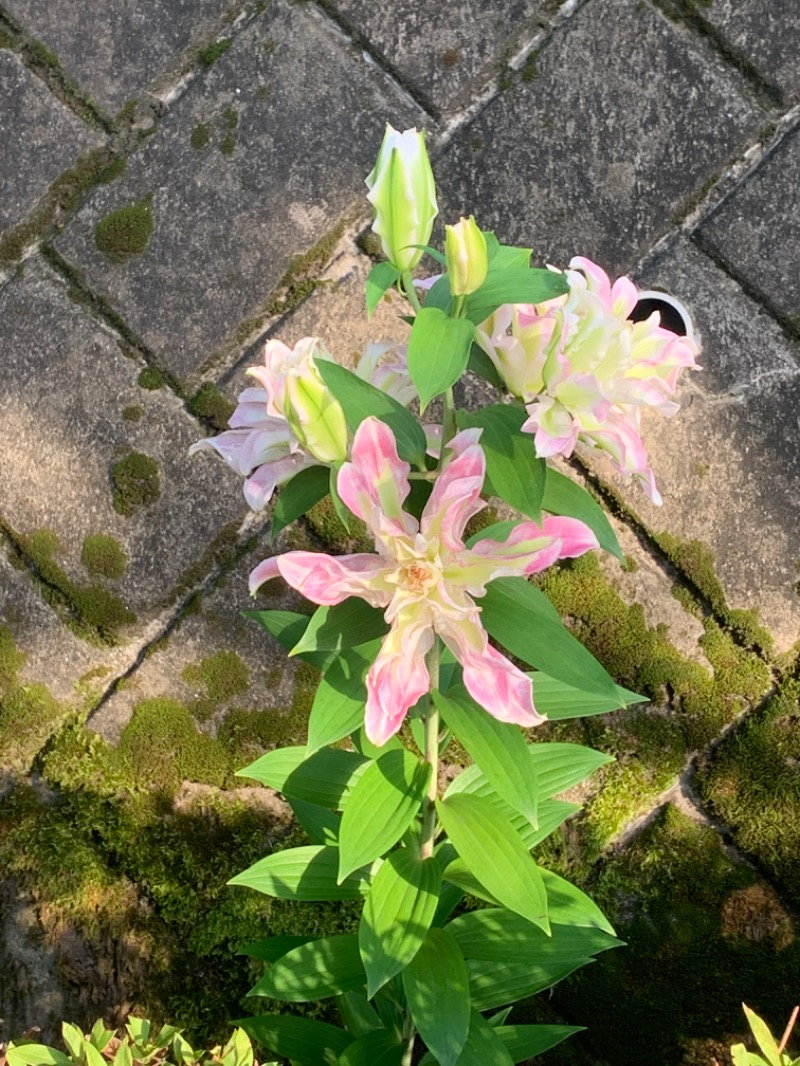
(431, 723)
(410, 291)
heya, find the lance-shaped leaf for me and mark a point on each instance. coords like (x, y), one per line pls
(499, 935)
(513, 471)
(380, 278)
(271, 949)
(560, 701)
(493, 984)
(298, 496)
(527, 1041)
(506, 256)
(320, 823)
(397, 915)
(495, 854)
(287, 627)
(563, 496)
(338, 706)
(36, 1055)
(317, 969)
(359, 1016)
(497, 748)
(326, 778)
(438, 351)
(513, 285)
(381, 807)
(346, 625)
(373, 1049)
(437, 993)
(526, 624)
(360, 400)
(569, 906)
(484, 1046)
(308, 874)
(301, 1040)
(559, 766)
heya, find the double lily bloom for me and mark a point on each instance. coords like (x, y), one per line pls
(425, 578)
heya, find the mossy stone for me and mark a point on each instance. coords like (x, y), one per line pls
(209, 403)
(132, 413)
(126, 232)
(151, 378)
(135, 482)
(222, 676)
(200, 136)
(212, 53)
(103, 556)
(228, 144)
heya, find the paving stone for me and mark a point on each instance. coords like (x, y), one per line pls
(728, 464)
(70, 409)
(53, 655)
(274, 175)
(41, 138)
(768, 34)
(442, 52)
(759, 248)
(115, 50)
(596, 154)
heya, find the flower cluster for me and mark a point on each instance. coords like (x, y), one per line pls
(585, 370)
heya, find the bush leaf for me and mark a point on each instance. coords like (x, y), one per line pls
(437, 992)
(317, 969)
(438, 351)
(307, 873)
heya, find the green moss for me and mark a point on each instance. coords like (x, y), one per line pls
(230, 116)
(221, 677)
(370, 244)
(151, 378)
(703, 935)
(324, 521)
(126, 232)
(212, 53)
(201, 135)
(135, 482)
(132, 413)
(6, 41)
(11, 661)
(209, 404)
(221, 553)
(103, 556)
(115, 169)
(530, 71)
(228, 144)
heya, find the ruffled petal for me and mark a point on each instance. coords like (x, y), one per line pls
(456, 493)
(375, 484)
(397, 679)
(327, 579)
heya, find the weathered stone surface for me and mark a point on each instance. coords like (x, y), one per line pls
(230, 212)
(596, 158)
(114, 51)
(442, 52)
(62, 441)
(767, 34)
(41, 138)
(764, 256)
(728, 465)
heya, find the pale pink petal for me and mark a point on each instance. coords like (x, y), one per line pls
(375, 484)
(456, 493)
(574, 536)
(330, 579)
(265, 571)
(501, 688)
(397, 679)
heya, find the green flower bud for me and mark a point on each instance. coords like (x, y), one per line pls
(316, 418)
(403, 197)
(467, 258)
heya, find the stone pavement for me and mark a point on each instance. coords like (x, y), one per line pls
(180, 180)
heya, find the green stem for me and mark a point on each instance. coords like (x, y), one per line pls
(431, 723)
(409, 1035)
(449, 426)
(410, 291)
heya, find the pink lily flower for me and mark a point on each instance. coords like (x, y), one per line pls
(425, 578)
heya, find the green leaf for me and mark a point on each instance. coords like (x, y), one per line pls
(317, 969)
(437, 992)
(438, 350)
(563, 496)
(124, 1056)
(506, 256)
(513, 285)
(373, 1049)
(73, 1039)
(493, 984)
(338, 706)
(439, 295)
(484, 1046)
(524, 621)
(380, 278)
(365, 747)
(397, 915)
(303, 874)
(359, 1016)
(499, 935)
(559, 766)
(99, 1035)
(302, 1040)
(381, 807)
(298, 496)
(361, 400)
(320, 824)
(480, 364)
(567, 905)
(764, 1038)
(513, 471)
(287, 627)
(274, 947)
(498, 748)
(327, 777)
(526, 1041)
(495, 854)
(36, 1055)
(346, 625)
(560, 701)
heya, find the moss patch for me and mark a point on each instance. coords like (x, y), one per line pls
(201, 135)
(220, 678)
(209, 404)
(103, 556)
(228, 144)
(151, 379)
(135, 482)
(132, 413)
(28, 712)
(126, 232)
(324, 521)
(212, 53)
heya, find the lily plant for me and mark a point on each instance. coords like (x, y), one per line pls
(440, 634)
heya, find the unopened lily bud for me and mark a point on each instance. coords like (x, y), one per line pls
(403, 197)
(316, 418)
(467, 258)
